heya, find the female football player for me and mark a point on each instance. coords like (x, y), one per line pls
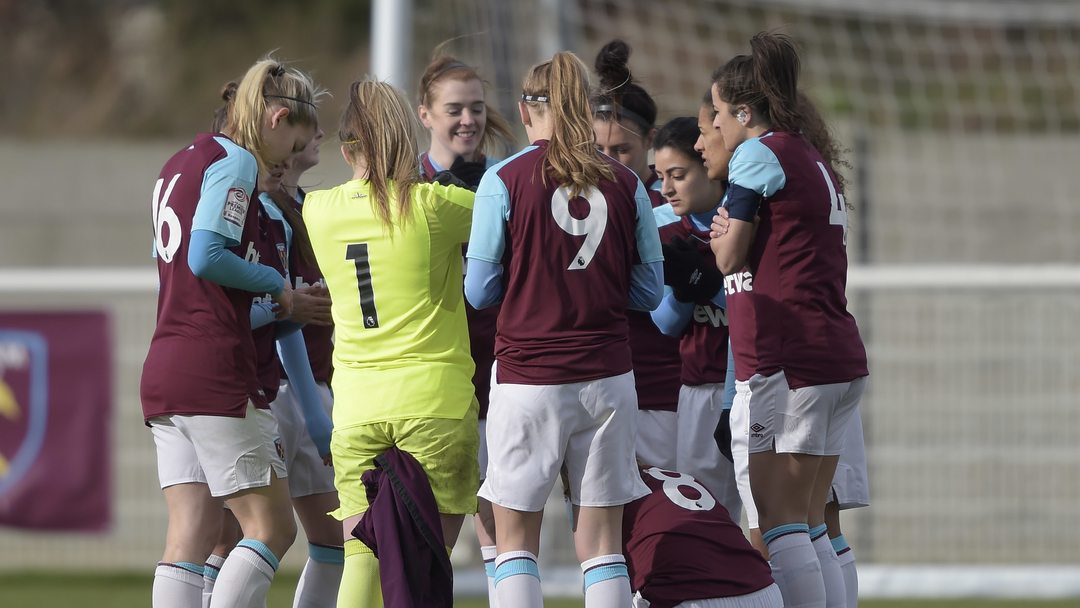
(565, 238)
(389, 247)
(461, 124)
(623, 116)
(784, 258)
(215, 436)
(694, 310)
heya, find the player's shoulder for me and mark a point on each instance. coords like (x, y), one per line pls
(665, 215)
(518, 166)
(222, 156)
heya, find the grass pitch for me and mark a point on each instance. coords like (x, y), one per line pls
(47, 590)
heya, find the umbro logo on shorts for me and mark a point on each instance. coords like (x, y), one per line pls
(756, 428)
(280, 449)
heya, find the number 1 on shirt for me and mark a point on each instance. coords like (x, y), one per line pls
(358, 253)
(591, 227)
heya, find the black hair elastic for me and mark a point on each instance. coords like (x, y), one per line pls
(536, 98)
(622, 112)
(296, 99)
(449, 66)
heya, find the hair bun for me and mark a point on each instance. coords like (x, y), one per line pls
(228, 92)
(611, 64)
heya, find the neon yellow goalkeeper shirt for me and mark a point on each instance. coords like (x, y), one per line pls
(401, 347)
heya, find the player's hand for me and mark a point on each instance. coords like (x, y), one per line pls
(720, 223)
(284, 302)
(682, 268)
(311, 305)
(470, 172)
(722, 435)
(328, 460)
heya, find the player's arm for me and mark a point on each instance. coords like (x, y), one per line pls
(219, 223)
(453, 206)
(673, 315)
(262, 313)
(487, 242)
(755, 173)
(646, 278)
(294, 358)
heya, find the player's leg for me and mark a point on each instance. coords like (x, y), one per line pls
(194, 519)
(194, 522)
(484, 522)
(849, 490)
(782, 483)
(700, 409)
(230, 535)
(242, 464)
(603, 476)
(311, 484)
(527, 428)
(319, 580)
(835, 589)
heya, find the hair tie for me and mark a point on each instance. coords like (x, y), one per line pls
(622, 112)
(536, 98)
(449, 66)
(292, 98)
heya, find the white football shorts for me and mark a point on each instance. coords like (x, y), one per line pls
(769, 597)
(307, 473)
(807, 420)
(696, 452)
(850, 487)
(740, 452)
(533, 430)
(657, 434)
(228, 454)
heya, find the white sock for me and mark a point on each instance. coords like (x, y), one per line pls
(210, 574)
(177, 585)
(489, 554)
(607, 583)
(318, 585)
(846, 558)
(245, 576)
(517, 580)
(793, 558)
(835, 590)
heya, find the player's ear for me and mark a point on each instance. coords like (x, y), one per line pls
(422, 112)
(277, 116)
(345, 155)
(526, 118)
(650, 137)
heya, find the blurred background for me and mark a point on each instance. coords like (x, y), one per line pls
(962, 123)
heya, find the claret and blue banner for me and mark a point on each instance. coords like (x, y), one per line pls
(55, 420)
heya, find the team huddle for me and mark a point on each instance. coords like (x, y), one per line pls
(449, 334)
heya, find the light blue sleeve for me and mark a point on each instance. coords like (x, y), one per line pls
(226, 193)
(491, 210)
(275, 213)
(672, 316)
(294, 359)
(483, 283)
(755, 167)
(720, 299)
(646, 286)
(262, 313)
(664, 215)
(646, 233)
(729, 381)
(208, 259)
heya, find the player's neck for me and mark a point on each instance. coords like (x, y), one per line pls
(444, 157)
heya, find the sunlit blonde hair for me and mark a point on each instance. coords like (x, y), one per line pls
(268, 83)
(378, 129)
(570, 159)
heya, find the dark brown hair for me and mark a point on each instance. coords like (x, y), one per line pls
(680, 134)
(767, 80)
(618, 94)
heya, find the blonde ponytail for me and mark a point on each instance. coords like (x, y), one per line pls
(378, 130)
(570, 159)
(269, 83)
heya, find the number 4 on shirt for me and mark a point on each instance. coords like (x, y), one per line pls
(358, 253)
(838, 210)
